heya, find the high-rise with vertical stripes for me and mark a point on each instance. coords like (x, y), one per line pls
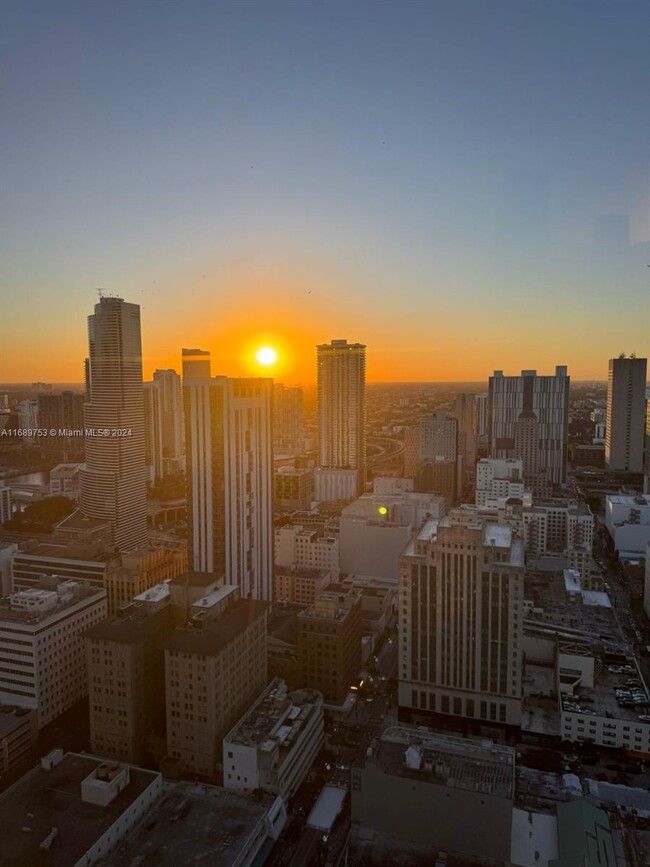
(229, 461)
(113, 477)
(461, 620)
(528, 418)
(341, 388)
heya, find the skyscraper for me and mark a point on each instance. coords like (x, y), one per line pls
(529, 414)
(624, 432)
(113, 478)
(287, 418)
(229, 462)
(164, 426)
(461, 606)
(341, 386)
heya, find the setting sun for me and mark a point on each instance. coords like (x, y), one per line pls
(266, 356)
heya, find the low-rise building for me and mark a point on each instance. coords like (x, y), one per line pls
(73, 810)
(306, 548)
(601, 703)
(299, 586)
(293, 488)
(141, 569)
(64, 481)
(211, 825)
(627, 519)
(274, 744)
(499, 479)
(447, 793)
(41, 645)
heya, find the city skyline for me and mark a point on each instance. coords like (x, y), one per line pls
(461, 173)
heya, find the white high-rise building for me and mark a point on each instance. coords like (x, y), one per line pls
(228, 435)
(113, 479)
(528, 419)
(341, 386)
(625, 424)
(461, 621)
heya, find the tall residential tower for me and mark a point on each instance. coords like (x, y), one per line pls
(528, 420)
(341, 386)
(228, 435)
(625, 422)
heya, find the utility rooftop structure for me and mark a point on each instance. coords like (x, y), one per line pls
(460, 763)
(72, 810)
(274, 744)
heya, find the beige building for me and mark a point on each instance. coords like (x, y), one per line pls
(329, 643)
(140, 570)
(215, 666)
(293, 488)
(306, 548)
(461, 620)
(299, 586)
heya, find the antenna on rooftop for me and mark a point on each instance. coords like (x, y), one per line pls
(100, 292)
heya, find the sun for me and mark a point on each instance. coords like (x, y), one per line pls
(266, 356)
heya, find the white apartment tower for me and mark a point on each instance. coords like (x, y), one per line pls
(625, 423)
(113, 478)
(528, 419)
(341, 386)
(461, 619)
(229, 460)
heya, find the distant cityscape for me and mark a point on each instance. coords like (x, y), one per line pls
(323, 623)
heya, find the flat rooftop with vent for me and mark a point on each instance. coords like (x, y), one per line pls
(73, 809)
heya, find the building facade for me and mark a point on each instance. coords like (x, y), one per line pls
(215, 667)
(41, 645)
(275, 743)
(228, 435)
(626, 409)
(341, 389)
(528, 419)
(113, 477)
(287, 419)
(461, 620)
(329, 643)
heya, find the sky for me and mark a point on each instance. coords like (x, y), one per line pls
(422, 177)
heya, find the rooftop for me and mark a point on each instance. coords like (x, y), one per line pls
(47, 601)
(276, 718)
(445, 760)
(11, 717)
(195, 579)
(602, 699)
(211, 637)
(210, 825)
(42, 800)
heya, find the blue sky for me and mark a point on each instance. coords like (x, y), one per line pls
(433, 170)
